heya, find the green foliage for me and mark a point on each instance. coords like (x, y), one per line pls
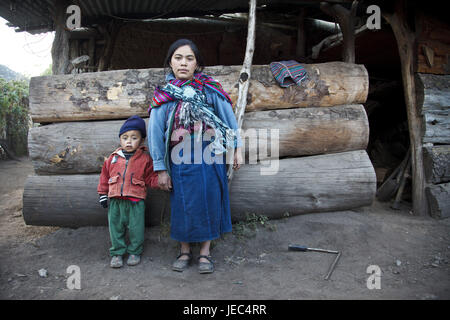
(249, 227)
(48, 71)
(14, 119)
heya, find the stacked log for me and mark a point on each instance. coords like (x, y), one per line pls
(433, 94)
(82, 147)
(123, 93)
(308, 184)
(320, 164)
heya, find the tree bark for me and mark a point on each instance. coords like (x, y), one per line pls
(81, 147)
(122, 93)
(331, 182)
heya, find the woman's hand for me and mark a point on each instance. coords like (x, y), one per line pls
(238, 161)
(164, 181)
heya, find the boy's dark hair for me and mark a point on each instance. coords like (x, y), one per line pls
(182, 42)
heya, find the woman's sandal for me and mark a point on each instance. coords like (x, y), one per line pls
(180, 264)
(205, 267)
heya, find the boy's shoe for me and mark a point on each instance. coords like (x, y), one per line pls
(116, 262)
(133, 259)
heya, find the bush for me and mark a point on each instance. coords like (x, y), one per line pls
(249, 227)
(14, 118)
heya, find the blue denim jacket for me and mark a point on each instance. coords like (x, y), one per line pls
(158, 128)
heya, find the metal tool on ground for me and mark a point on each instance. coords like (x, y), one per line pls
(296, 247)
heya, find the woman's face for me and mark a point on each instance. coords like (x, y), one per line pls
(183, 63)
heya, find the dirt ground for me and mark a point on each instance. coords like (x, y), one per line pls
(413, 254)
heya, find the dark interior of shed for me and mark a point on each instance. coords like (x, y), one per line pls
(385, 106)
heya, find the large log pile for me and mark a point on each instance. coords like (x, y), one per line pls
(433, 96)
(321, 125)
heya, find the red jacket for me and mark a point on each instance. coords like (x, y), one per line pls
(122, 178)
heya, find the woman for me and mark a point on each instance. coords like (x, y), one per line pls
(186, 114)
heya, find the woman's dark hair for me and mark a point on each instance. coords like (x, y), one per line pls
(182, 42)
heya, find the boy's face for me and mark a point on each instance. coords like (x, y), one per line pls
(130, 140)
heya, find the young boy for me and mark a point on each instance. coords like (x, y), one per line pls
(124, 178)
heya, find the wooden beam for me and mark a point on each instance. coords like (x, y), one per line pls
(83, 34)
(91, 52)
(60, 47)
(245, 21)
(109, 32)
(346, 20)
(405, 41)
(300, 50)
(332, 41)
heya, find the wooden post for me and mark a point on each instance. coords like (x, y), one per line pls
(109, 32)
(60, 46)
(405, 42)
(244, 78)
(91, 52)
(300, 51)
(346, 20)
(73, 53)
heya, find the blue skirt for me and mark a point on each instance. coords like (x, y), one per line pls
(200, 205)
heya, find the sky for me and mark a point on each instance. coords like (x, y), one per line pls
(23, 52)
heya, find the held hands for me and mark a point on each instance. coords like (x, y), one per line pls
(164, 181)
(238, 161)
(104, 200)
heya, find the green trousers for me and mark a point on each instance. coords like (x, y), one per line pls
(126, 215)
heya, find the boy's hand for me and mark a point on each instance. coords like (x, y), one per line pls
(104, 200)
(164, 181)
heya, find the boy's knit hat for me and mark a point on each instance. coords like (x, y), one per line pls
(134, 123)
